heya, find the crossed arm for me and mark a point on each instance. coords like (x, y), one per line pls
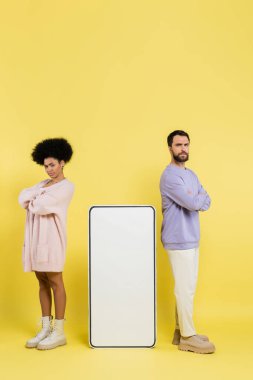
(42, 202)
(27, 195)
(180, 194)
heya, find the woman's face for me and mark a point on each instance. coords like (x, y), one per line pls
(53, 167)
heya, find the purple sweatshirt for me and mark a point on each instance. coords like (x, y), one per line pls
(182, 198)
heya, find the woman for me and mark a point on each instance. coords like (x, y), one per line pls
(46, 206)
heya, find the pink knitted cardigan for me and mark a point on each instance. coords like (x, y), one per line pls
(45, 240)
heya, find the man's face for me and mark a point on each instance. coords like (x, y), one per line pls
(180, 148)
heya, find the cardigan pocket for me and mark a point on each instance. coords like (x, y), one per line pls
(42, 253)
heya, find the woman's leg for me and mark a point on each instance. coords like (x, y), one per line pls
(44, 293)
(57, 336)
(56, 282)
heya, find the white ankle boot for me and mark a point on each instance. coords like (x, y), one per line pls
(42, 334)
(55, 338)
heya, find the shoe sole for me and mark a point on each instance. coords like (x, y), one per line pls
(51, 346)
(31, 345)
(196, 350)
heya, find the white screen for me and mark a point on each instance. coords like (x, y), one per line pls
(122, 276)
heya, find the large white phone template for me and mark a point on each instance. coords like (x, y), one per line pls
(122, 276)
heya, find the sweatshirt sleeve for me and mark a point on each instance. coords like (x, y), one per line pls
(175, 188)
(50, 202)
(27, 195)
(207, 202)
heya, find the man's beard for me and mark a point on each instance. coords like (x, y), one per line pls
(181, 158)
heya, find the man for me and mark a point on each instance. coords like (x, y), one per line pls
(182, 198)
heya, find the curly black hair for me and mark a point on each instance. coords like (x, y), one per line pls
(57, 148)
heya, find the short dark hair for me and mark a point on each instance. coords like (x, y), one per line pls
(57, 148)
(175, 133)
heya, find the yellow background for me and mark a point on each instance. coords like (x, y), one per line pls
(115, 78)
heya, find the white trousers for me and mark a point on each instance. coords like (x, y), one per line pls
(184, 264)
